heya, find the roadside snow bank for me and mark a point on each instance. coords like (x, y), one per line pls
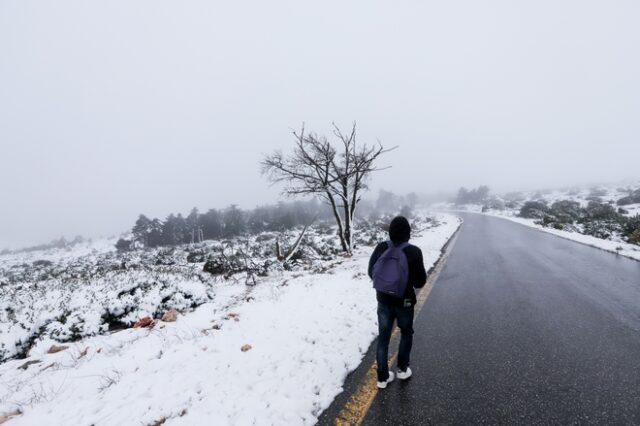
(619, 247)
(301, 333)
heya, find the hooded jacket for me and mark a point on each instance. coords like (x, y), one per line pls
(399, 232)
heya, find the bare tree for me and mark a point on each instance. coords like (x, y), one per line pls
(337, 175)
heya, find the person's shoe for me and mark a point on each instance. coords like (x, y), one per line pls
(404, 375)
(382, 385)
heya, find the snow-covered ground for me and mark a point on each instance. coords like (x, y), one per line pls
(83, 291)
(274, 353)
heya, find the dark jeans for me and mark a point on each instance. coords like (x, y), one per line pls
(386, 315)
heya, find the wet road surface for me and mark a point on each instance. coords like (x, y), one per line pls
(522, 327)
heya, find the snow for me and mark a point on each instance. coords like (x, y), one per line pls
(604, 193)
(81, 291)
(307, 331)
(625, 249)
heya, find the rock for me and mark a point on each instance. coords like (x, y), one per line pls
(27, 364)
(170, 316)
(54, 349)
(144, 322)
(245, 348)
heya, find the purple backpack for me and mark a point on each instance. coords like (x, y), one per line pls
(391, 271)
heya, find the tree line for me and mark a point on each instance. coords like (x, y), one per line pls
(472, 196)
(221, 223)
(232, 221)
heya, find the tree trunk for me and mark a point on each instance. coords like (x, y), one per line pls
(336, 214)
(294, 249)
(347, 227)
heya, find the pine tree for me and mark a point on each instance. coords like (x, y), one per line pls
(183, 236)
(211, 224)
(193, 226)
(234, 221)
(169, 232)
(141, 230)
(155, 237)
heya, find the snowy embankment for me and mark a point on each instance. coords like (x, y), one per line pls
(274, 353)
(593, 216)
(619, 247)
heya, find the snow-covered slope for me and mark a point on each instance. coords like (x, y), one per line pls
(302, 333)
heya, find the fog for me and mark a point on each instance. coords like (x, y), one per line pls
(111, 109)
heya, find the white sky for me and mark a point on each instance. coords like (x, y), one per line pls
(113, 108)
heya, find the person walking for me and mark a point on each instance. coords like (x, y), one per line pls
(396, 268)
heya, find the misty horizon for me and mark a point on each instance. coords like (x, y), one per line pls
(176, 108)
(369, 196)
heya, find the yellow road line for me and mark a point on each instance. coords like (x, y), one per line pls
(353, 412)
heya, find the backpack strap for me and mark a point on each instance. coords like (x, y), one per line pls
(400, 246)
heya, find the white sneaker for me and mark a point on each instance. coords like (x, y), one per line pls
(382, 385)
(404, 375)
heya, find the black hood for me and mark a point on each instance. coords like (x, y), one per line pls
(399, 230)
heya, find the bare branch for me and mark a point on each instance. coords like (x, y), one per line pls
(335, 176)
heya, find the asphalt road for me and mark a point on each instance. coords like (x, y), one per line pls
(522, 327)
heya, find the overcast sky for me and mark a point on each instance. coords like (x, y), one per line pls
(113, 108)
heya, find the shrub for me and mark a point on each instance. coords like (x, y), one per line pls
(598, 192)
(511, 204)
(600, 211)
(495, 203)
(602, 228)
(534, 210)
(221, 264)
(631, 229)
(633, 198)
(123, 245)
(566, 211)
(552, 221)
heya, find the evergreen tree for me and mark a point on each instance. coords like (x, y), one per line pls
(141, 230)
(234, 221)
(183, 234)
(169, 231)
(193, 226)
(259, 220)
(211, 224)
(155, 237)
